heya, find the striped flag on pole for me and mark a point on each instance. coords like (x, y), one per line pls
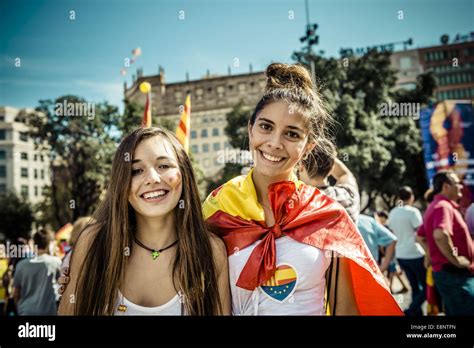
(147, 114)
(145, 88)
(182, 132)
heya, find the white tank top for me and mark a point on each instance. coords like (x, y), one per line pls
(172, 307)
(297, 288)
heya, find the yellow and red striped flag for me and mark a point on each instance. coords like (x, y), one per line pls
(145, 88)
(147, 114)
(183, 130)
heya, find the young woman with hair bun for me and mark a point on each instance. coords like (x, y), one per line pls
(292, 250)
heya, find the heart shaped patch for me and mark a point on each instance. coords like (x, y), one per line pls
(282, 285)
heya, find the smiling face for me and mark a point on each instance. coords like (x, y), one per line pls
(278, 141)
(156, 178)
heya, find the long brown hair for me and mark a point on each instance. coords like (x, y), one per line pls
(102, 273)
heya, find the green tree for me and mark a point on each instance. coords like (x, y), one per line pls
(132, 117)
(16, 215)
(80, 147)
(383, 152)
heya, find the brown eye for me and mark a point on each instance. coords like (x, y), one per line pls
(293, 135)
(136, 172)
(265, 126)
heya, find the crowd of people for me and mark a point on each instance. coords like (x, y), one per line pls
(287, 238)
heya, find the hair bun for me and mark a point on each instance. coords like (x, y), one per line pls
(284, 76)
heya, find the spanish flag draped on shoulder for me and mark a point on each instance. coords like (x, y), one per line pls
(182, 132)
(303, 213)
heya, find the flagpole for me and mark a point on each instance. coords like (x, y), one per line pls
(145, 88)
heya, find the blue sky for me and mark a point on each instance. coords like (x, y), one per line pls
(84, 56)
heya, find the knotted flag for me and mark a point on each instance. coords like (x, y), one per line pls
(304, 214)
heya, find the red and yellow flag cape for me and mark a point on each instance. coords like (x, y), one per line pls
(303, 213)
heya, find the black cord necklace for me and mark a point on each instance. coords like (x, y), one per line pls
(154, 253)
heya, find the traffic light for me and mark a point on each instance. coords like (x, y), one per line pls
(311, 29)
(311, 36)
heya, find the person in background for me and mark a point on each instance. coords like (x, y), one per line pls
(393, 269)
(470, 219)
(404, 220)
(23, 251)
(33, 289)
(375, 236)
(444, 233)
(3, 285)
(316, 169)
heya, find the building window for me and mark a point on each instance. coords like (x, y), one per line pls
(24, 156)
(36, 173)
(3, 171)
(205, 147)
(24, 191)
(204, 133)
(216, 146)
(3, 154)
(23, 136)
(220, 91)
(405, 63)
(3, 134)
(199, 93)
(24, 172)
(2, 118)
(215, 132)
(3, 188)
(36, 157)
(179, 97)
(194, 149)
(193, 134)
(36, 191)
(42, 158)
(42, 173)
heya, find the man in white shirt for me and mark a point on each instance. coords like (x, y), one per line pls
(404, 221)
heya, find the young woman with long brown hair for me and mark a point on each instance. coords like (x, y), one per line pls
(148, 251)
(288, 244)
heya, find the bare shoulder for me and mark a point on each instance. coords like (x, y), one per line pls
(78, 256)
(218, 249)
(87, 236)
(83, 244)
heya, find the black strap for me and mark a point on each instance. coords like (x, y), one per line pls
(328, 292)
(333, 312)
(335, 286)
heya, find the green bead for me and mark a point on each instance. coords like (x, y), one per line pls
(155, 254)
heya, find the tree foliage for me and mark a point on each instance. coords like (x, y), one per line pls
(16, 215)
(80, 148)
(384, 153)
